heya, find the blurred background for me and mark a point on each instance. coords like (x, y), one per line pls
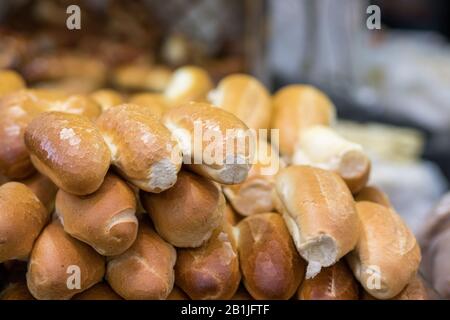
(391, 86)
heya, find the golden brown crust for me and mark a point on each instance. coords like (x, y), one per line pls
(186, 214)
(415, 290)
(320, 213)
(386, 247)
(101, 291)
(104, 219)
(230, 215)
(22, 217)
(10, 81)
(156, 103)
(54, 255)
(68, 149)
(195, 125)
(271, 267)
(144, 271)
(373, 194)
(177, 294)
(142, 77)
(297, 107)
(107, 98)
(142, 149)
(188, 83)
(332, 283)
(16, 291)
(246, 98)
(212, 270)
(43, 188)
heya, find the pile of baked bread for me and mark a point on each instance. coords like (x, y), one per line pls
(106, 196)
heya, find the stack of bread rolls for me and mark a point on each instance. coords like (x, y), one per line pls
(107, 196)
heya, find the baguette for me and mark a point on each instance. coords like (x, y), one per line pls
(142, 149)
(320, 214)
(104, 219)
(22, 217)
(415, 290)
(373, 194)
(186, 214)
(55, 258)
(271, 267)
(201, 128)
(387, 255)
(69, 150)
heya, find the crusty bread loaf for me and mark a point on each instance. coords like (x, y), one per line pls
(177, 294)
(332, 283)
(254, 195)
(22, 217)
(101, 291)
(271, 267)
(145, 270)
(186, 214)
(69, 150)
(415, 290)
(105, 219)
(107, 98)
(188, 83)
(156, 103)
(387, 255)
(320, 214)
(10, 81)
(212, 270)
(246, 98)
(322, 147)
(373, 194)
(142, 149)
(297, 107)
(43, 188)
(208, 137)
(58, 261)
(16, 291)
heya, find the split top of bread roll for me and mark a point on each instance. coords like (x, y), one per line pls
(387, 255)
(322, 147)
(61, 266)
(214, 142)
(145, 270)
(10, 81)
(188, 83)
(297, 107)
(186, 214)
(320, 214)
(104, 219)
(68, 149)
(142, 149)
(212, 270)
(22, 217)
(332, 283)
(246, 98)
(271, 267)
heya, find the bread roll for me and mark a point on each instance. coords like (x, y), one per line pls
(415, 290)
(230, 215)
(142, 149)
(387, 255)
(295, 108)
(322, 147)
(22, 217)
(187, 84)
(177, 294)
(212, 270)
(58, 262)
(320, 214)
(332, 283)
(104, 219)
(139, 76)
(186, 214)
(254, 195)
(156, 103)
(246, 98)
(271, 267)
(101, 291)
(144, 271)
(373, 194)
(16, 291)
(107, 98)
(43, 188)
(69, 150)
(214, 142)
(10, 81)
